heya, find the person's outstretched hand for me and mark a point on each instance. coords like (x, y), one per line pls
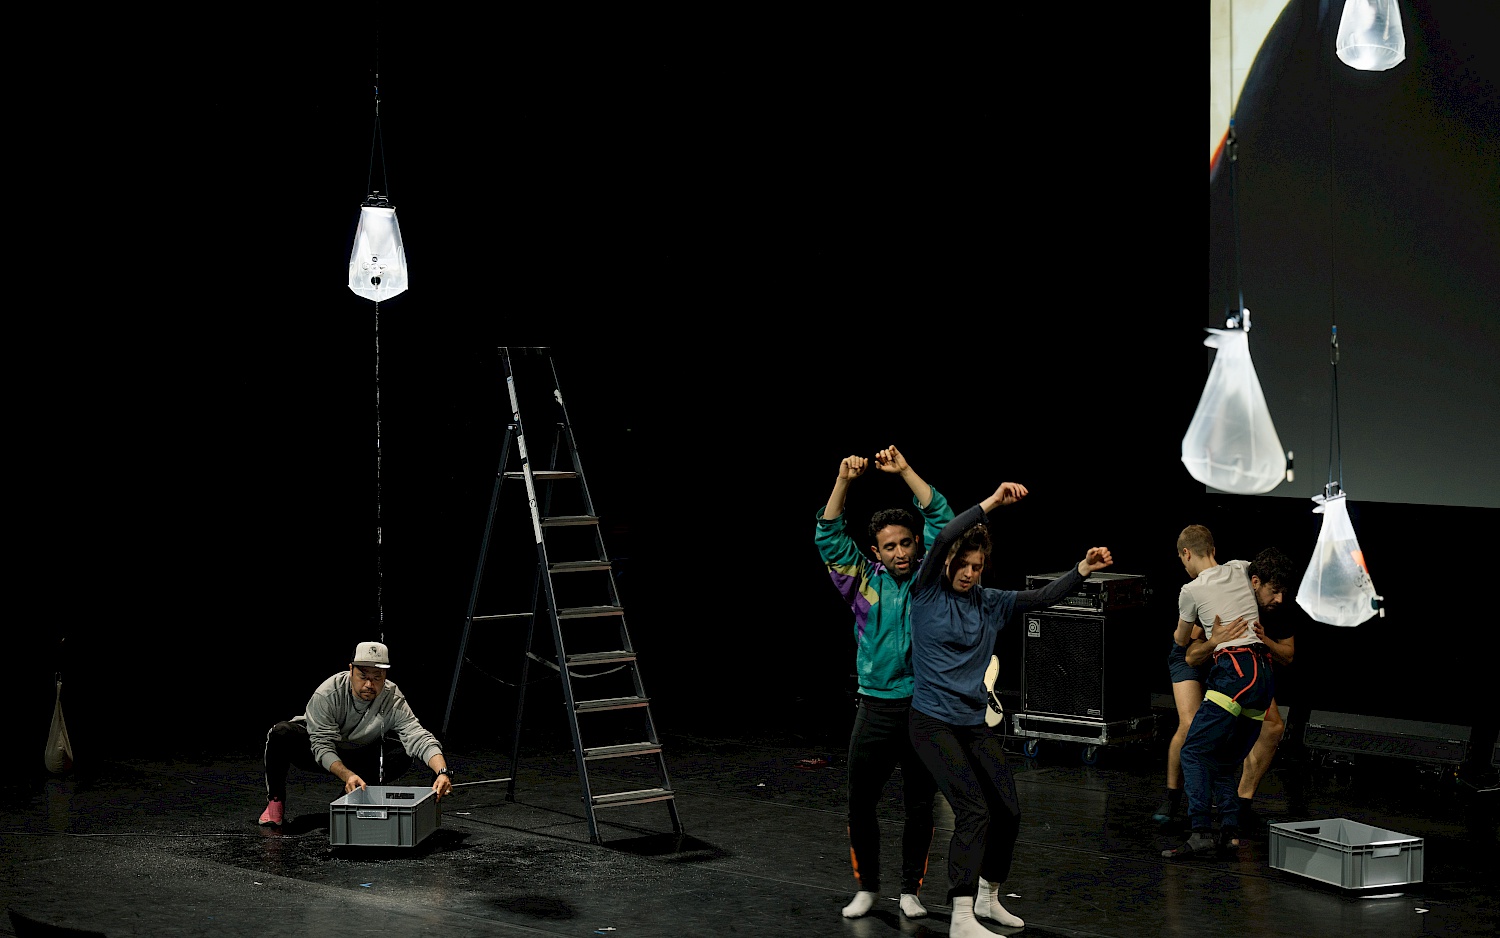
(853, 467)
(1009, 493)
(891, 460)
(1096, 559)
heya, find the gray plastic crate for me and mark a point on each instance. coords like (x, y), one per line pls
(383, 816)
(1346, 853)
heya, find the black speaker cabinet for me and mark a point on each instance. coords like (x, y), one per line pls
(1091, 666)
(1386, 736)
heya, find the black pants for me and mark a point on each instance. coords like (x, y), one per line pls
(287, 745)
(881, 741)
(968, 763)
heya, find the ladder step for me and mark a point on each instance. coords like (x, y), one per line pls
(505, 616)
(643, 796)
(565, 521)
(545, 475)
(600, 657)
(625, 749)
(585, 612)
(610, 703)
(578, 566)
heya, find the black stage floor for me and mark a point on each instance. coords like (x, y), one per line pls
(171, 848)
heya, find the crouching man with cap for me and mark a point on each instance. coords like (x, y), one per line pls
(358, 726)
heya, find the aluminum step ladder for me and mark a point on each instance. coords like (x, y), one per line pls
(589, 634)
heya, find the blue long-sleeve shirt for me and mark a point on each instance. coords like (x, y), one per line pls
(954, 634)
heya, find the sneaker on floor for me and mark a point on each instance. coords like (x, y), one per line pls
(1198, 842)
(273, 813)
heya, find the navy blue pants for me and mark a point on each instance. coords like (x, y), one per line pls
(1240, 687)
(968, 764)
(881, 741)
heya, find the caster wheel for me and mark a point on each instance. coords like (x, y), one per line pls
(1032, 745)
(1090, 755)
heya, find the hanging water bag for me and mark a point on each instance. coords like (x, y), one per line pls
(1336, 588)
(377, 265)
(59, 757)
(1231, 444)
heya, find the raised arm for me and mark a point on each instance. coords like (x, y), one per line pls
(1007, 494)
(890, 460)
(1095, 558)
(937, 555)
(851, 468)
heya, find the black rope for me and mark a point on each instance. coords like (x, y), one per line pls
(1335, 441)
(379, 538)
(1231, 144)
(378, 139)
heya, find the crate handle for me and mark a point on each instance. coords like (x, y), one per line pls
(1308, 830)
(1385, 852)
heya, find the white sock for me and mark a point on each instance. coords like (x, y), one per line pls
(963, 924)
(987, 905)
(862, 902)
(911, 906)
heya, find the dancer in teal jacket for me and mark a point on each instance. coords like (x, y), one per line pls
(875, 589)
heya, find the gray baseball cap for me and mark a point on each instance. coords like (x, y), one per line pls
(371, 655)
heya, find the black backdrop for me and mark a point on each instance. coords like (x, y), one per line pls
(766, 244)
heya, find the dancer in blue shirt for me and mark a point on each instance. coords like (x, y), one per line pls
(955, 622)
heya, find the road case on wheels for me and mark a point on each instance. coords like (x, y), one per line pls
(1087, 666)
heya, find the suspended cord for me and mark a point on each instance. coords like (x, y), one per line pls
(379, 573)
(378, 138)
(1335, 442)
(1234, 213)
(469, 662)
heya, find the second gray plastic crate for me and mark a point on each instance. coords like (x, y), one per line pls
(1346, 853)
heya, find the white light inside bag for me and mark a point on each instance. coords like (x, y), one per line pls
(377, 265)
(1336, 587)
(1231, 443)
(1370, 35)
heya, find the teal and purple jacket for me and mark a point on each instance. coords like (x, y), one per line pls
(882, 621)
